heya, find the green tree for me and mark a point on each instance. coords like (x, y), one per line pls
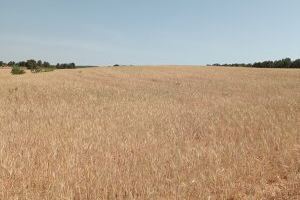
(72, 65)
(22, 64)
(46, 64)
(284, 63)
(295, 64)
(11, 63)
(39, 63)
(31, 64)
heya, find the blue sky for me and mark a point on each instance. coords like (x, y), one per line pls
(149, 32)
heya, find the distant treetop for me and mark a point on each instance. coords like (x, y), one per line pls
(35, 65)
(283, 63)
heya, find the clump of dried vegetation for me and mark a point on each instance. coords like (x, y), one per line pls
(150, 133)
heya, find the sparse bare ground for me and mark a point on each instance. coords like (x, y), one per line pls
(150, 133)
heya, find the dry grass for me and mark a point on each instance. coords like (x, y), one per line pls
(150, 133)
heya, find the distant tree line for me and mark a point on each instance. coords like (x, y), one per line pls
(283, 63)
(35, 65)
(66, 66)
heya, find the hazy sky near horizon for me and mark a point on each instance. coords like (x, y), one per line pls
(149, 32)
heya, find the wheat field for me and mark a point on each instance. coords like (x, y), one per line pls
(150, 133)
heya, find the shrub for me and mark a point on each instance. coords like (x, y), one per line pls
(42, 69)
(36, 70)
(49, 69)
(16, 70)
